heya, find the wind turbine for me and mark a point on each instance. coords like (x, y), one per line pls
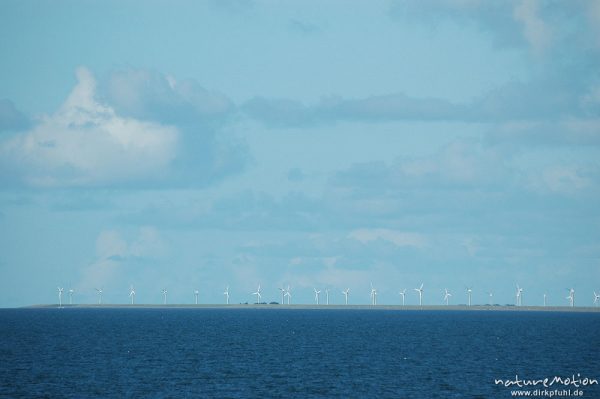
(596, 298)
(99, 290)
(345, 292)
(447, 295)
(226, 293)
(571, 297)
(403, 292)
(196, 293)
(327, 295)
(469, 291)
(60, 292)
(373, 295)
(288, 294)
(544, 299)
(519, 295)
(282, 294)
(420, 291)
(71, 291)
(491, 295)
(164, 292)
(132, 294)
(258, 295)
(317, 295)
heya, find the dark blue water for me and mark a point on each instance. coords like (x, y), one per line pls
(82, 353)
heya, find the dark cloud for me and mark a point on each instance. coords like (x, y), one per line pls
(146, 94)
(290, 113)
(295, 175)
(560, 39)
(506, 22)
(583, 132)
(548, 98)
(303, 27)
(11, 118)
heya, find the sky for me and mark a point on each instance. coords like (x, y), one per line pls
(203, 144)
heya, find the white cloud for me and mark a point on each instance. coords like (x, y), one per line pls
(398, 238)
(564, 179)
(86, 143)
(110, 244)
(112, 249)
(536, 31)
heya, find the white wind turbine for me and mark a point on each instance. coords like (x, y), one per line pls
(288, 294)
(132, 294)
(373, 295)
(327, 295)
(226, 293)
(491, 295)
(519, 295)
(447, 295)
(258, 295)
(345, 292)
(317, 295)
(571, 297)
(196, 293)
(403, 292)
(420, 291)
(164, 292)
(60, 292)
(469, 291)
(99, 290)
(282, 294)
(71, 291)
(545, 299)
(596, 298)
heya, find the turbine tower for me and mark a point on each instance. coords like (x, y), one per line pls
(403, 292)
(71, 291)
(373, 295)
(258, 295)
(226, 293)
(544, 299)
(196, 293)
(469, 291)
(420, 291)
(99, 290)
(164, 292)
(447, 295)
(345, 292)
(317, 295)
(132, 294)
(60, 292)
(571, 297)
(596, 298)
(491, 295)
(288, 294)
(327, 295)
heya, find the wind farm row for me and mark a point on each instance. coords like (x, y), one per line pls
(286, 296)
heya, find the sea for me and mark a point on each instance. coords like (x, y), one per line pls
(295, 353)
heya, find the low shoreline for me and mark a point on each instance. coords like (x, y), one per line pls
(474, 308)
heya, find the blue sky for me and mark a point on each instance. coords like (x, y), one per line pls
(195, 145)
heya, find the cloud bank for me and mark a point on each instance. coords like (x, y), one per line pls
(141, 129)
